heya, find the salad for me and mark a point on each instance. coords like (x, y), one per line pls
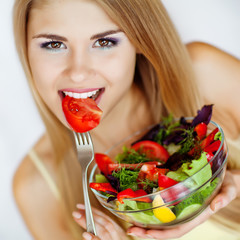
(172, 158)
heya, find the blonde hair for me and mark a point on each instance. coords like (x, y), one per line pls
(163, 72)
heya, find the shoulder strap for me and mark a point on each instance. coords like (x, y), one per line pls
(42, 169)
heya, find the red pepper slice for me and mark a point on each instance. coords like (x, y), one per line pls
(205, 142)
(165, 182)
(213, 147)
(103, 187)
(129, 193)
(141, 192)
(103, 161)
(209, 139)
(118, 166)
(201, 130)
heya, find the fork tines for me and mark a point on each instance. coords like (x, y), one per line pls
(83, 138)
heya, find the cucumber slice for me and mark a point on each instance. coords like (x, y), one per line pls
(100, 178)
(188, 206)
(188, 210)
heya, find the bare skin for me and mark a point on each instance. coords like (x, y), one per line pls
(213, 68)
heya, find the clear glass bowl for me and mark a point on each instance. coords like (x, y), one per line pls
(185, 199)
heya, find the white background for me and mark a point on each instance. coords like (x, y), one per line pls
(212, 21)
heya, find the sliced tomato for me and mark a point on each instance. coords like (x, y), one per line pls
(153, 150)
(150, 172)
(103, 161)
(81, 114)
(165, 182)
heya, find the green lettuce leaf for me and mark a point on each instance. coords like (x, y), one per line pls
(190, 168)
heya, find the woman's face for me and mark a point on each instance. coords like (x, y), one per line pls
(74, 47)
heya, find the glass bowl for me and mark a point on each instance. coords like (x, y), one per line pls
(174, 205)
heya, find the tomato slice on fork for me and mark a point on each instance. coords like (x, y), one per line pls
(81, 114)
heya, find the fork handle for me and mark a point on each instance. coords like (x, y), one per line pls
(88, 211)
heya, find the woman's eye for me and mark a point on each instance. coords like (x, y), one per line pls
(105, 43)
(53, 45)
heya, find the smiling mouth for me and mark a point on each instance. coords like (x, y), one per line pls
(95, 95)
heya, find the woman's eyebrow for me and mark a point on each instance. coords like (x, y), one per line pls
(51, 36)
(61, 38)
(103, 34)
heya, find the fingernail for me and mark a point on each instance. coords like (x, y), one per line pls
(149, 236)
(130, 234)
(87, 236)
(77, 215)
(217, 206)
(80, 206)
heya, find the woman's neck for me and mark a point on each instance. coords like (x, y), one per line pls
(131, 114)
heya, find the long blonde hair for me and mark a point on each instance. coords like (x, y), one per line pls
(163, 72)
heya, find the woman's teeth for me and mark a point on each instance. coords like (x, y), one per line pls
(80, 95)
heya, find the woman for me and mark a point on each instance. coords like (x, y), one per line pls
(127, 51)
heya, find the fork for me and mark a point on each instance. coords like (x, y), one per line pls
(85, 154)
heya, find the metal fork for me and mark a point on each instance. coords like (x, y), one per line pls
(85, 154)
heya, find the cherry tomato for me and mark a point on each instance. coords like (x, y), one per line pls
(81, 114)
(153, 150)
(103, 161)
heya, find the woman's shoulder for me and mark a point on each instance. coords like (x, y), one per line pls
(214, 63)
(28, 180)
(34, 193)
(218, 77)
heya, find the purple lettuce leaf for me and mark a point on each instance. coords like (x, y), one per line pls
(111, 199)
(114, 182)
(203, 115)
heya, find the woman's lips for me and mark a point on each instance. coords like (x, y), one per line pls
(94, 93)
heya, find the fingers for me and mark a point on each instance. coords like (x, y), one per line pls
(89, 236)
(106, 228)
(104, 220)
(228, 192)
(100, 229)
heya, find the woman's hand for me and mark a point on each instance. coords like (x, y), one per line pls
(106, 228)
(89, 236)
(227, 193)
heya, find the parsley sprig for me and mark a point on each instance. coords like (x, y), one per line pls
(131, 156)
(127, 178)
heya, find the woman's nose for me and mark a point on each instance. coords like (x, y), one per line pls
(80, 66)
